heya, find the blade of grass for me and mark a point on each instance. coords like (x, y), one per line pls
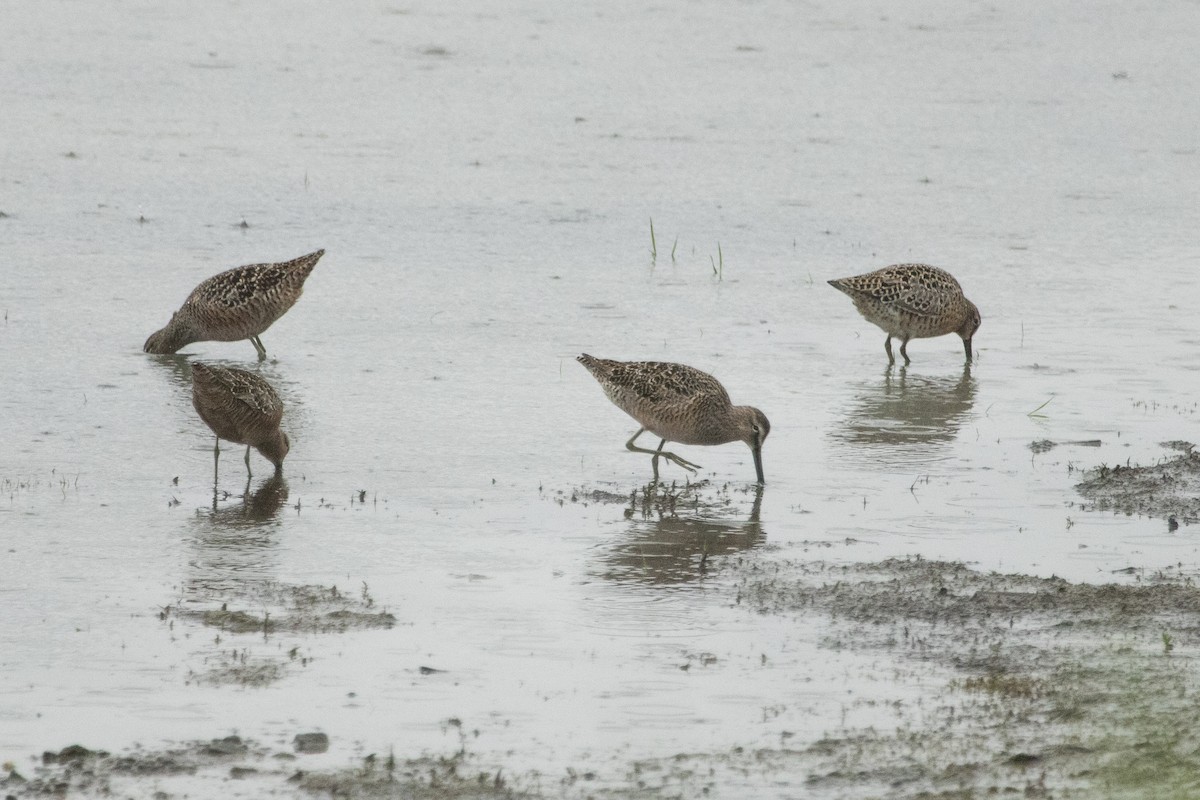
(1035, 413)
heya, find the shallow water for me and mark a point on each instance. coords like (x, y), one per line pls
(482, 180)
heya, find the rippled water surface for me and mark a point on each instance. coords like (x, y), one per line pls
(483, 178)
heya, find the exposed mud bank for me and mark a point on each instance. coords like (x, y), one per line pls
(233, 767)
(268, 610)
(1005, 685)
(1170, 489)
(1049, 688)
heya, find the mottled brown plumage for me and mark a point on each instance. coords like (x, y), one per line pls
(240, 407)
(239, 303)
(679, 404)
(912, 301)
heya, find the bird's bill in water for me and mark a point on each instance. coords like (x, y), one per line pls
(967, 347)
(758, 466)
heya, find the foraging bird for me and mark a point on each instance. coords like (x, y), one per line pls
(912, 301)
(239, 303)
(680, 404)
(240, 407)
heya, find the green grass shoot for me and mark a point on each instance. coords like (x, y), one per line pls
(718, 266)
(1036, 413)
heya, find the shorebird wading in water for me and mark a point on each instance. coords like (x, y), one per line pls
(912, 301)
(678, 404)
(242, 408)
(239, 303)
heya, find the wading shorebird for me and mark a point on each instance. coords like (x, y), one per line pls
(242, 408)
(912, 301)
(239, 303)
(678, 404)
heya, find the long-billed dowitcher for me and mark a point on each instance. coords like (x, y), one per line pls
(240, 407)
(679, 404)
(912, 301)
(239, 303)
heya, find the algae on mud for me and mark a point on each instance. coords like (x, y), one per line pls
(1063, 689)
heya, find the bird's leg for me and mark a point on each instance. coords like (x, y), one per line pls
(659, 452)
(904, 352)
(683, 462)
(887, 345)
(258, 346)
(249, 474)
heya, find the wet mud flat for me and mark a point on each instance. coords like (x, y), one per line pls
(233, 767)
(280, 617)
(1169, 489)
(1026, 686)
(1054, 689)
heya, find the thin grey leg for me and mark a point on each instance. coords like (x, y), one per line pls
(689, 466)
(258, 346)
(249, 474)
(904, 352)
(887, 345)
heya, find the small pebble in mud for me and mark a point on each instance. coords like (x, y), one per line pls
(311, 743)
(1172, 524)
(74, 752)
(229, 746)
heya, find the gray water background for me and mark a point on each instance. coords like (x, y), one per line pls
(482, 177)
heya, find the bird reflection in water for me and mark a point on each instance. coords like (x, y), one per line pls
(258, 507)
(676, 531)
(178, 369)
(232, 541)
(907, 418)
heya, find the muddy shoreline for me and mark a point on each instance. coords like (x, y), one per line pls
(1048, 688)
(1168, 490)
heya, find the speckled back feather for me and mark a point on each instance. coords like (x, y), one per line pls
(912, 301)
(238, 303)
(674, 401)
(659, 382)
(917, 289)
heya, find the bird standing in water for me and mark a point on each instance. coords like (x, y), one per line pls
(239, 303)
(240, 407)
(679, 404)
(912, 301)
